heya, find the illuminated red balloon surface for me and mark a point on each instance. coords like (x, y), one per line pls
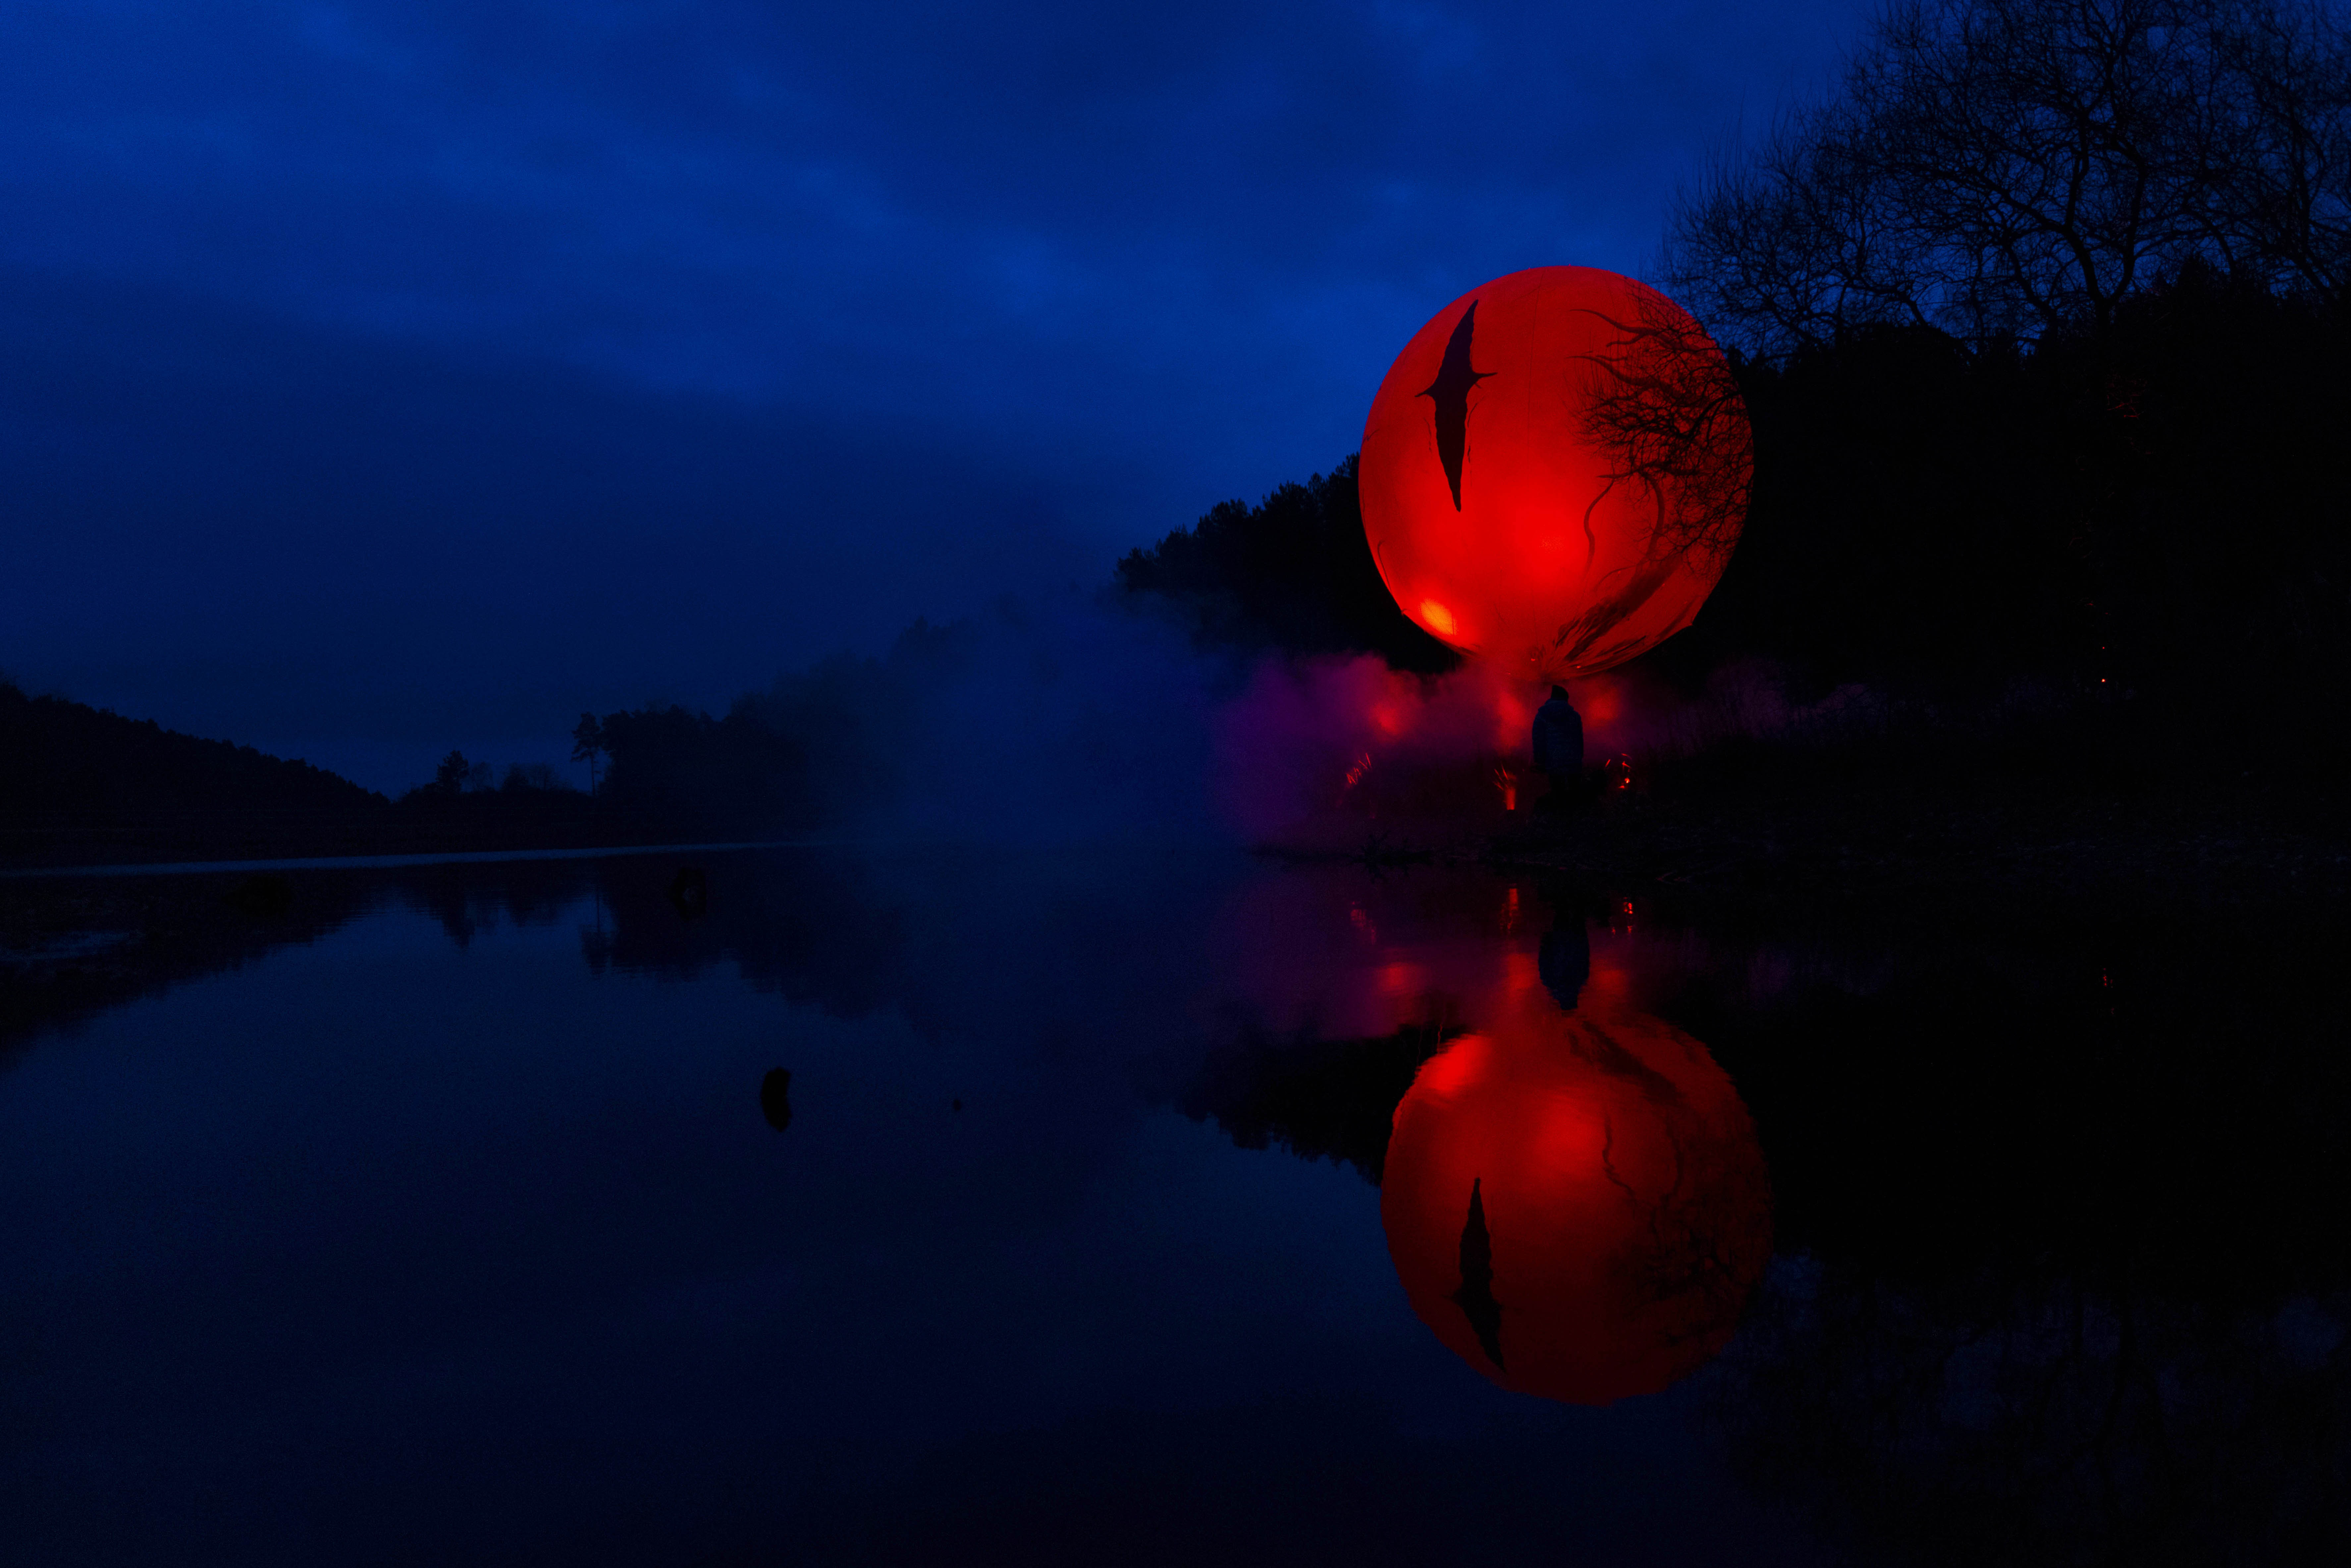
(1577, 1204)
(1555, 471)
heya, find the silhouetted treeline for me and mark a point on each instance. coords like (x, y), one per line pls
(2129, 538)
(68, 757)
(1293, 574)
(2135, 531)
(2151, 522)
(2139, 518)
(79, 783)
(1332, 1099)
(467, 806)
(817, 748)
(2049, 304)
(84, 786)
(2023, 168)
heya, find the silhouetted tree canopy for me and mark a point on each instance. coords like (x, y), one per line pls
(2024, 167)
(2151, 517)
(456, 775)
(588, 745)
(1292, 573)
(63, 756)
(1317, 1098)
(2046, 321)
(684, 768)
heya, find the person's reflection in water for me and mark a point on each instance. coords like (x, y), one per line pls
(1564, 962)
(1618, 1210)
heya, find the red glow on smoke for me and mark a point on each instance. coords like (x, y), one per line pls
(1318, 746)
(1513, 721)
(1351, 736)
(1317, 752)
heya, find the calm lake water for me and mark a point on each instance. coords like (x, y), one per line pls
(1181, 1209)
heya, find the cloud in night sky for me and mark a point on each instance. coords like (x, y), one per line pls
(380, 377)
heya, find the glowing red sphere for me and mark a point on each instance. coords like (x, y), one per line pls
(1555, 471)
(1577, 1204)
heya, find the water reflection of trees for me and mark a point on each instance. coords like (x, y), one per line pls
(806, 927)
(471, 900)
(2063, 1204)
(2063, 1210)
(1319, 1099)
(71, 950)
(2080, 1420)
(2071, 1279)
(803, 927)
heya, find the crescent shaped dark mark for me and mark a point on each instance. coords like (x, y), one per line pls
(1450, 392)
(1476, 1296)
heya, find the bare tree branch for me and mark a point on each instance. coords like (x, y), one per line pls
(2002, 168)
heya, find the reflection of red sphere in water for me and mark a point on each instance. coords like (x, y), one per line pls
(1577, 1206)
(1555, 470)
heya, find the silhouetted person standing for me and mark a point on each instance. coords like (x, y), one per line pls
(1559, 749)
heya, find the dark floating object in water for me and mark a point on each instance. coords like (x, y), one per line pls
(263, 896)
(776, 1098)
(955, 1105)
(689, 890)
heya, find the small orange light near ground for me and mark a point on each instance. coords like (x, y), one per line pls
(1438, 618)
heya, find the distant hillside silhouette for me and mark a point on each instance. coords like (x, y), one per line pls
(83, 785)
(69, 757)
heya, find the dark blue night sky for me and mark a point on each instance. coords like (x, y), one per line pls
(383, 377)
